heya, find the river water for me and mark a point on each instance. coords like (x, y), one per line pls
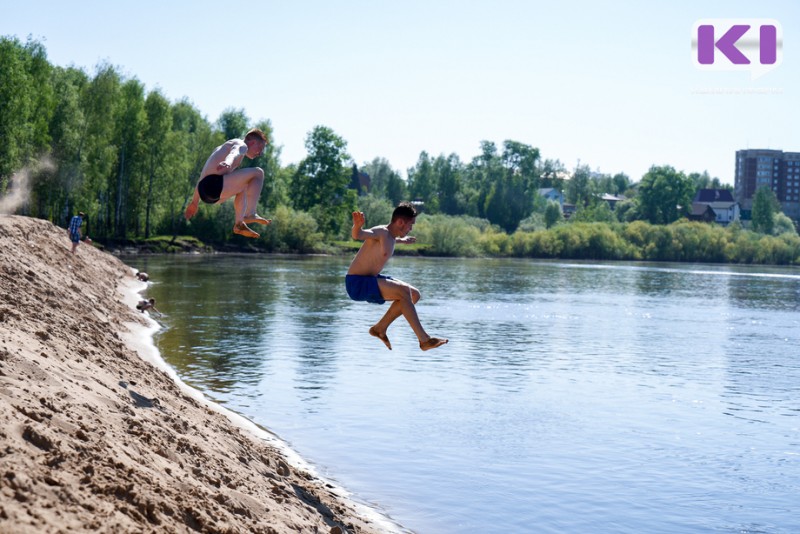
(572, 397)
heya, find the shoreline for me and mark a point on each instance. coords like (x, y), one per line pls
(141, 339)
(99, 434)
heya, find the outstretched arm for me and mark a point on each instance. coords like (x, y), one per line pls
(407, 240)
(191, 209)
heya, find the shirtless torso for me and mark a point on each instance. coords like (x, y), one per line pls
(226, 158)
(374, 253)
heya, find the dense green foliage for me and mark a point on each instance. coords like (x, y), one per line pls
(130, 158)
(765, 206)
(637, 241)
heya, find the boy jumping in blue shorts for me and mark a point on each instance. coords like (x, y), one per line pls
(365, 283)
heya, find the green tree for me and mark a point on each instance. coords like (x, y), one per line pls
(765, 206)
(517, 187)
(483, 174)
(621, 183)
(320, 182)
(130, 157)
(377, 210)
(66, 128)
(523, 160)
(783, 225)
(422, 184)
(192, 141)
(16, 90)
(705, 181)
(627, 210)
(385, 181)
(448, 171)
(170, 183)
(578, 188)
(43, 98)
(159, 126)
(552, 214)
(97, 149)
(664, 195)
(552, 173)
(233, 123)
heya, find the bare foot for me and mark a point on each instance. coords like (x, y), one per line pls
(242, 229)
(382, 336)
(432, 343)
(257, 219)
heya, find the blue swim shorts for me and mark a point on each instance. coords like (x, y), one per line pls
(75, 237)
(365, 287)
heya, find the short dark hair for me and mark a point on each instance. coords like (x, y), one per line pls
(404, 210)
(255, 133)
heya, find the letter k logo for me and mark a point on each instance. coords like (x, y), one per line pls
(754, 45)
(726, 44)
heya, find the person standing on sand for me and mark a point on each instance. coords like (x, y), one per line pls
(365, 283)
(74, 230)
(220, 180)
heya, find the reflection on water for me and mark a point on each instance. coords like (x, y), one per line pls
(573, 397)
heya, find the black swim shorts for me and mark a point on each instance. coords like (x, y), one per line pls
(210, 188)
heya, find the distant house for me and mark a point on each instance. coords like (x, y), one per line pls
(726, 209)
(568, 210)
(612, 199)
(550, 193)
(702, 212)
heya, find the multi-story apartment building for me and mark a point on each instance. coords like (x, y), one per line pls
(776, 169)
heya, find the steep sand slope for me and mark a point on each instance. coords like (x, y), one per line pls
(94, 438)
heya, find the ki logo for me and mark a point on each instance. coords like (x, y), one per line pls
(754, 45)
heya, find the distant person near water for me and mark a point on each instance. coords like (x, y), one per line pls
(149, 304)
(365, 283)
(220, 180)
(144, 277)
(74, 230)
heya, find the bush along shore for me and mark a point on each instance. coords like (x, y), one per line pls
(440, 235)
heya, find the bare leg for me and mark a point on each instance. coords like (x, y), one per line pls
(238, 207)
(253, 191)
(245, 185)
(405, 297)
(395, 311)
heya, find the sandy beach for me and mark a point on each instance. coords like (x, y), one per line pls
(95, 438)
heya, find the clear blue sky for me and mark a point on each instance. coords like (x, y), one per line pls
(609, 84)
